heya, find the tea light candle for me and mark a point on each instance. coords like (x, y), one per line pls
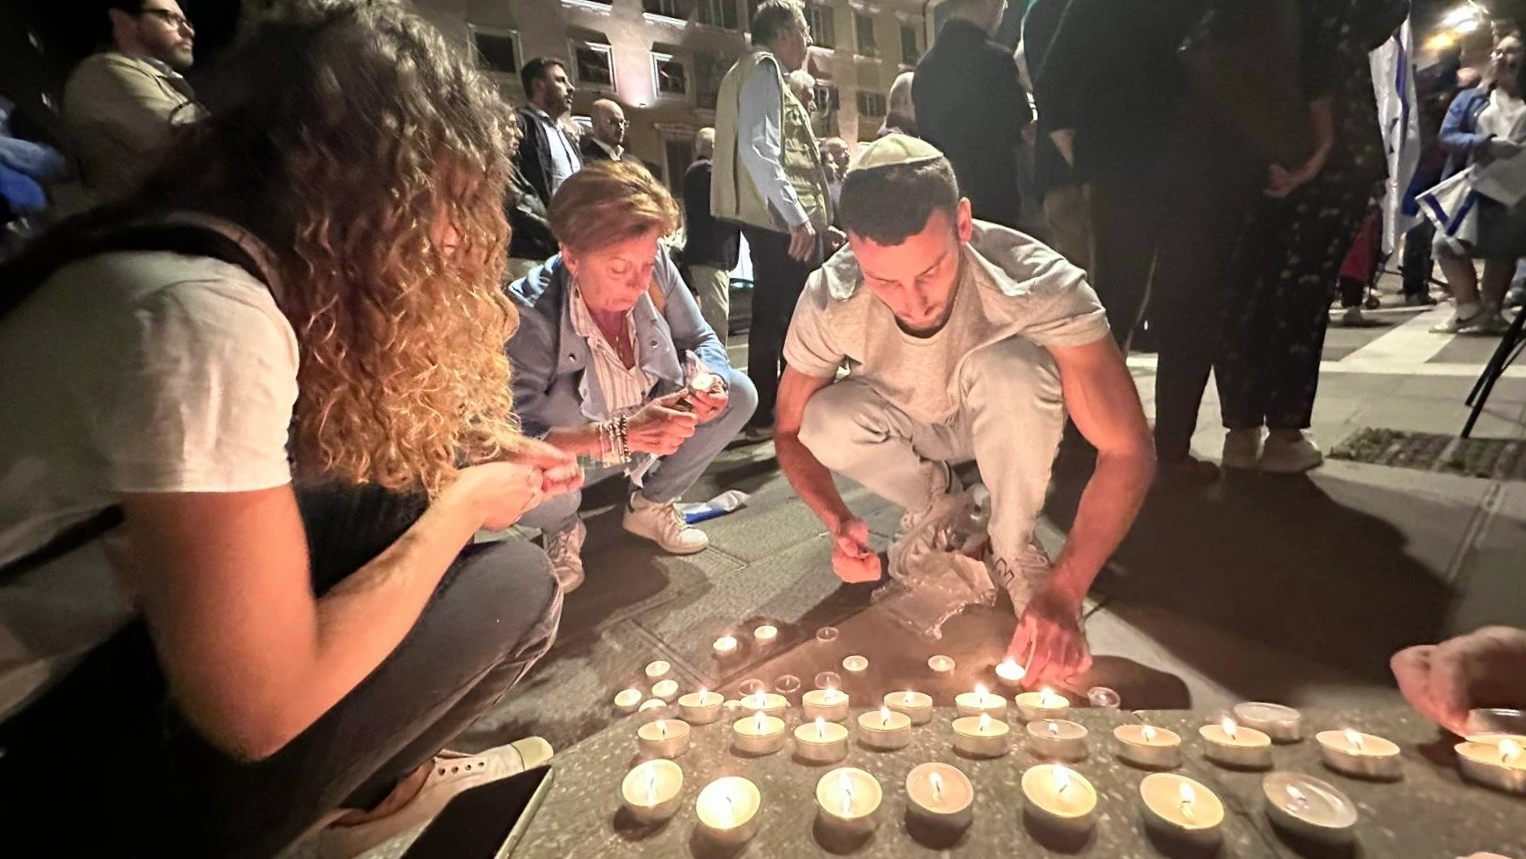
(724, 646)
(917, 706)
(981, 701)
(855, 664)
(1498, 761)
(1282, 724)
(702, 707)
(1308, 807)
(830, 704)
(821, 742)
(941, 664)
(1043, 704)
(981, 736)
(652, 708)
(1010, 673)
(1057, 738)
(758, 734)
(1233, 746)
(884, 729)
(1148, 746)
(767, 703)
(627, 700)
(727, 809)
(1059, 796)
(940, 794)
(1180, 806)
(766, 634)
(1360, 755)
(658, 670)
(652, 790)
(847, 800)
(664, 738)
(665, 690)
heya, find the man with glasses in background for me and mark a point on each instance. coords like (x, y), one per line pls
(121, 102)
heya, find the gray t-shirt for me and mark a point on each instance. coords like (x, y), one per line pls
(1010, 285)
(126, 372)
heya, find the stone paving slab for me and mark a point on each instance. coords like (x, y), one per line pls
(1431, 813)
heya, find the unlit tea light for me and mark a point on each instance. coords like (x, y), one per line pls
(702, 707)
(1230, 744)
(666, 690)
(1282, 724)
(1360, 755)
(941, 664)
(981, 736)
(1496, 761)
(884, 729)
(980, 701)
(916, 705)
(1043, 704)
(1148, 746)
(855, 664)
(727, 809)
(821, 742)
(848, 800)
(651, 791)
(1058, 739)
(627, 700)
(658, 670)
(1059, 796)
(652, 708)
(829, 704)
(765, 634)
(758, 734)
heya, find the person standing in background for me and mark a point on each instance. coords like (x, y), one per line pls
(970, 104)
(121, 103)
(768, 178)
(1062, 191)
(902, 115)
(711, 246)
(835, 158)
(607, 141)
(547, 154)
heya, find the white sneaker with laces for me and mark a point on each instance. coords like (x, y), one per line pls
(664, 525)
(1242, 448)
(449, 774)
(1282, 455)
(565, 548)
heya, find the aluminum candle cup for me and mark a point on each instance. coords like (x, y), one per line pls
(940, 795)
(758, 734)
(652, 708)
(1148, 746)
(917, 706)
(981, 701)
(702, 707)
(1309, 807)
(1360, 755)
(941, 664)
(767, 703)
(821, 742)
(724, 646)
(664, 738)
(830, 704)
(855, 664)
(627, 700)
(728, 810)
(884, 729)
(1044, 704)
(848, 801)
(1495, 761)
(1059, 796)
(981, 736)
(652, 790)
(1057, 739)
(1282, 724)
(1181, 807)
(666, 690)
(1010, 673)
(659, 670)
(1230, 745)
(765, 635)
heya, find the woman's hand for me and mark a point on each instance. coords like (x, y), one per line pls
(1281, 181)
(660, 427)
(499, 492)
(559, 469)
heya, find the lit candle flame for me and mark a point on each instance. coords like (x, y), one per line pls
(829, 694)
(759, 700)
(1054, 730)
(980, 695)
(1509, 751)
(937, 782)
(907, 699)
(1061, 780)
(1188, 797)
(845, 784)
(651, 787)
(884, 716)
(1229, 726)
(985, 722)
(1148, 732)
(1354, 739)
(1047, 698)
(821, 728)
(758, 721)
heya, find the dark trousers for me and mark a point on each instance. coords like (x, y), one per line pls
(1279, 304)
(1417, 264)
(1163, 241)
(778, 280)
(106, 748)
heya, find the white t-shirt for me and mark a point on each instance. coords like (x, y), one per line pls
(1010, 285)
(126, 372)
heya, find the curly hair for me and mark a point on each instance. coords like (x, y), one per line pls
(373, 159)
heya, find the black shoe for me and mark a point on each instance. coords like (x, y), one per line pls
(1422, 300)
(756, 434)
(1185, 473)
(1516, 297)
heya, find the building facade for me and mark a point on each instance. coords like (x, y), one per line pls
(663, 60)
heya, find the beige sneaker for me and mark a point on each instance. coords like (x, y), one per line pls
(1290, 456)
(565, 548)
(663, 525)
(450, 774)
(1242, 448)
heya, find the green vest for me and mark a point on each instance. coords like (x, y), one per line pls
(733, 194)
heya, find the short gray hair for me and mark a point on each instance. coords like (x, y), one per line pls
(704, 143)
(773, 18)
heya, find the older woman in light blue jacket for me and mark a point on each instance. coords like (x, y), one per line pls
(614, 363)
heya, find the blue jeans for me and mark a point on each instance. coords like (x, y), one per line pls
(671, 476)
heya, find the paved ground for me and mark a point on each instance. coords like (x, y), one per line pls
(1292, 589)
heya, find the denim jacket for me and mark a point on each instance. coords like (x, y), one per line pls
(553, 383)
(1459, 131)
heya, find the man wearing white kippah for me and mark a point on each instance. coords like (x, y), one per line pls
(964, 341)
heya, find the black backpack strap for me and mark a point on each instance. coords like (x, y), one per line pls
(22, 277)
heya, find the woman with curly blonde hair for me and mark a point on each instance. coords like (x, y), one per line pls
(235, 486)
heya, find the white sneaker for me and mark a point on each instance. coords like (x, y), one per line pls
(1488, 322)
(1353, 318)
(1242, 448)
(565, 548)
(1283, 456)
(450, 774)
(663, 525)
(1457, 322)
